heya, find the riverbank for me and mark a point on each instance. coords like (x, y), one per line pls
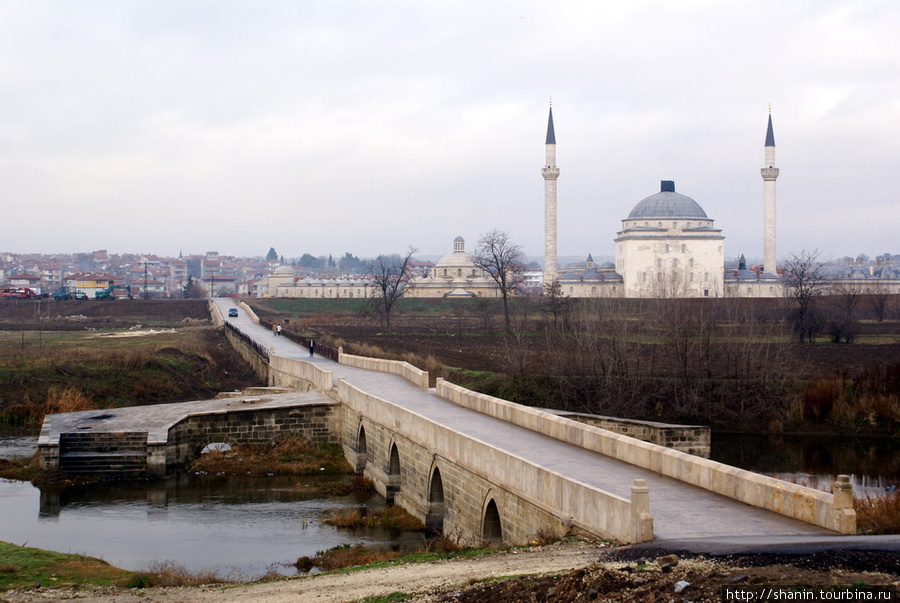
(571, 571)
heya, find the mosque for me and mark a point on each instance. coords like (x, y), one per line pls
(667, 247)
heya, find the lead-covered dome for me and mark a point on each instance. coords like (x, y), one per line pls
(667, 204)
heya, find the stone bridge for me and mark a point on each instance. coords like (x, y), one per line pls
(482, 468)
(476, 467)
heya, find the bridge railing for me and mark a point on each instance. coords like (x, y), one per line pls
(249, 341)
(322, 350)
(812, 506)
(413, 374)
(590, 508)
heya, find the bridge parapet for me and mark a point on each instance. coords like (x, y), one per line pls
(412, 374)
(792, 500)
(297, 374)
(532, 493)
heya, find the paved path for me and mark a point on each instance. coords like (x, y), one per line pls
(679, 510)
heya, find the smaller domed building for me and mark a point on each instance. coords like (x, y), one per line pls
(454, 275)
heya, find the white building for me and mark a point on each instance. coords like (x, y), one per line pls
(454, 275)
(669, 247)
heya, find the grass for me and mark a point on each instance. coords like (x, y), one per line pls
(392, 518)
(25, 567)
(290, 456)
(66, 371)
(346, 558)
(877, 514)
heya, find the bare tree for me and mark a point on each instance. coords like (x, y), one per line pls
(390, 273)
(843, 323)
(804, 282)
(878, 299)
(554, 302)
(499, 257)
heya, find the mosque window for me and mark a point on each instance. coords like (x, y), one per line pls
(459, 272)
(692, 262)
(643, 277)
(675, 263)
(659, 277)
(667, 248)
(749, 290)
(659, 224)
(674, 225)
(692, 277)
(705, 276)
(771, 289)
(571, 289)
(646, 224)
(593, 290)
(683, 248)
(445, 272)
(688, 225)
(659, 262)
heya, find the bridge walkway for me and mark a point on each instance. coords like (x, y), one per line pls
(679, 510)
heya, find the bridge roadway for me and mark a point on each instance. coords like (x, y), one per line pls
(679, 510)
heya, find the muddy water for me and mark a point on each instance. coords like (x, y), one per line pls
(240, 527)
(244, 526)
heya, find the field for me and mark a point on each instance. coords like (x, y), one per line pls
(68, 356)
(728, 362)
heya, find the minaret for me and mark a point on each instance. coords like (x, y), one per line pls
(769, 174)
(550, 173)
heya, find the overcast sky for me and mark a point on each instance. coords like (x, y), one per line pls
(370, 127)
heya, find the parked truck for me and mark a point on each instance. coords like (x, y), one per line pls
(110, 292)
(64, 293)
(20, 293)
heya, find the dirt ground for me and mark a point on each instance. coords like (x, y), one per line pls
(570, 572)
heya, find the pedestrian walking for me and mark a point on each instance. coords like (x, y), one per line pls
(312, 347)
(278, 330)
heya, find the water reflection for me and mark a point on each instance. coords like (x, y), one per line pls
(239, 527)
(874, 462)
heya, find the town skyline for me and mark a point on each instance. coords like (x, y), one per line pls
(153, 128)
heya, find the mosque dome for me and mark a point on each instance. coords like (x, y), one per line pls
(667, 204)
(283, 270)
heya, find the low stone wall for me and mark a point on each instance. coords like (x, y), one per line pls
(412, 374)
(246, 352)
(792, 500)
(297, 374)
(588, 508)
(249, 312)
(215, 315)
(690, 439)
(316, 423)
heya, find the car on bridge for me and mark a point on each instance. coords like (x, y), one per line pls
(232, 312)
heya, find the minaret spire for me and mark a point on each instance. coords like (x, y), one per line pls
(769, 174)
(550, 173)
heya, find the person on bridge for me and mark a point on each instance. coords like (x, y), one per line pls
(312, 347)
(278, 330)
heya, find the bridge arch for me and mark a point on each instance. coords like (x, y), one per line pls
(434, 517)
(393, 474)
(362, 449)
(491, 527)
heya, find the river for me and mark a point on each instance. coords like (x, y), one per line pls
(237, 527)
(244, 527)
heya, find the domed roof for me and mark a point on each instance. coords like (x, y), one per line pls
(667, 204)
(283, 269)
